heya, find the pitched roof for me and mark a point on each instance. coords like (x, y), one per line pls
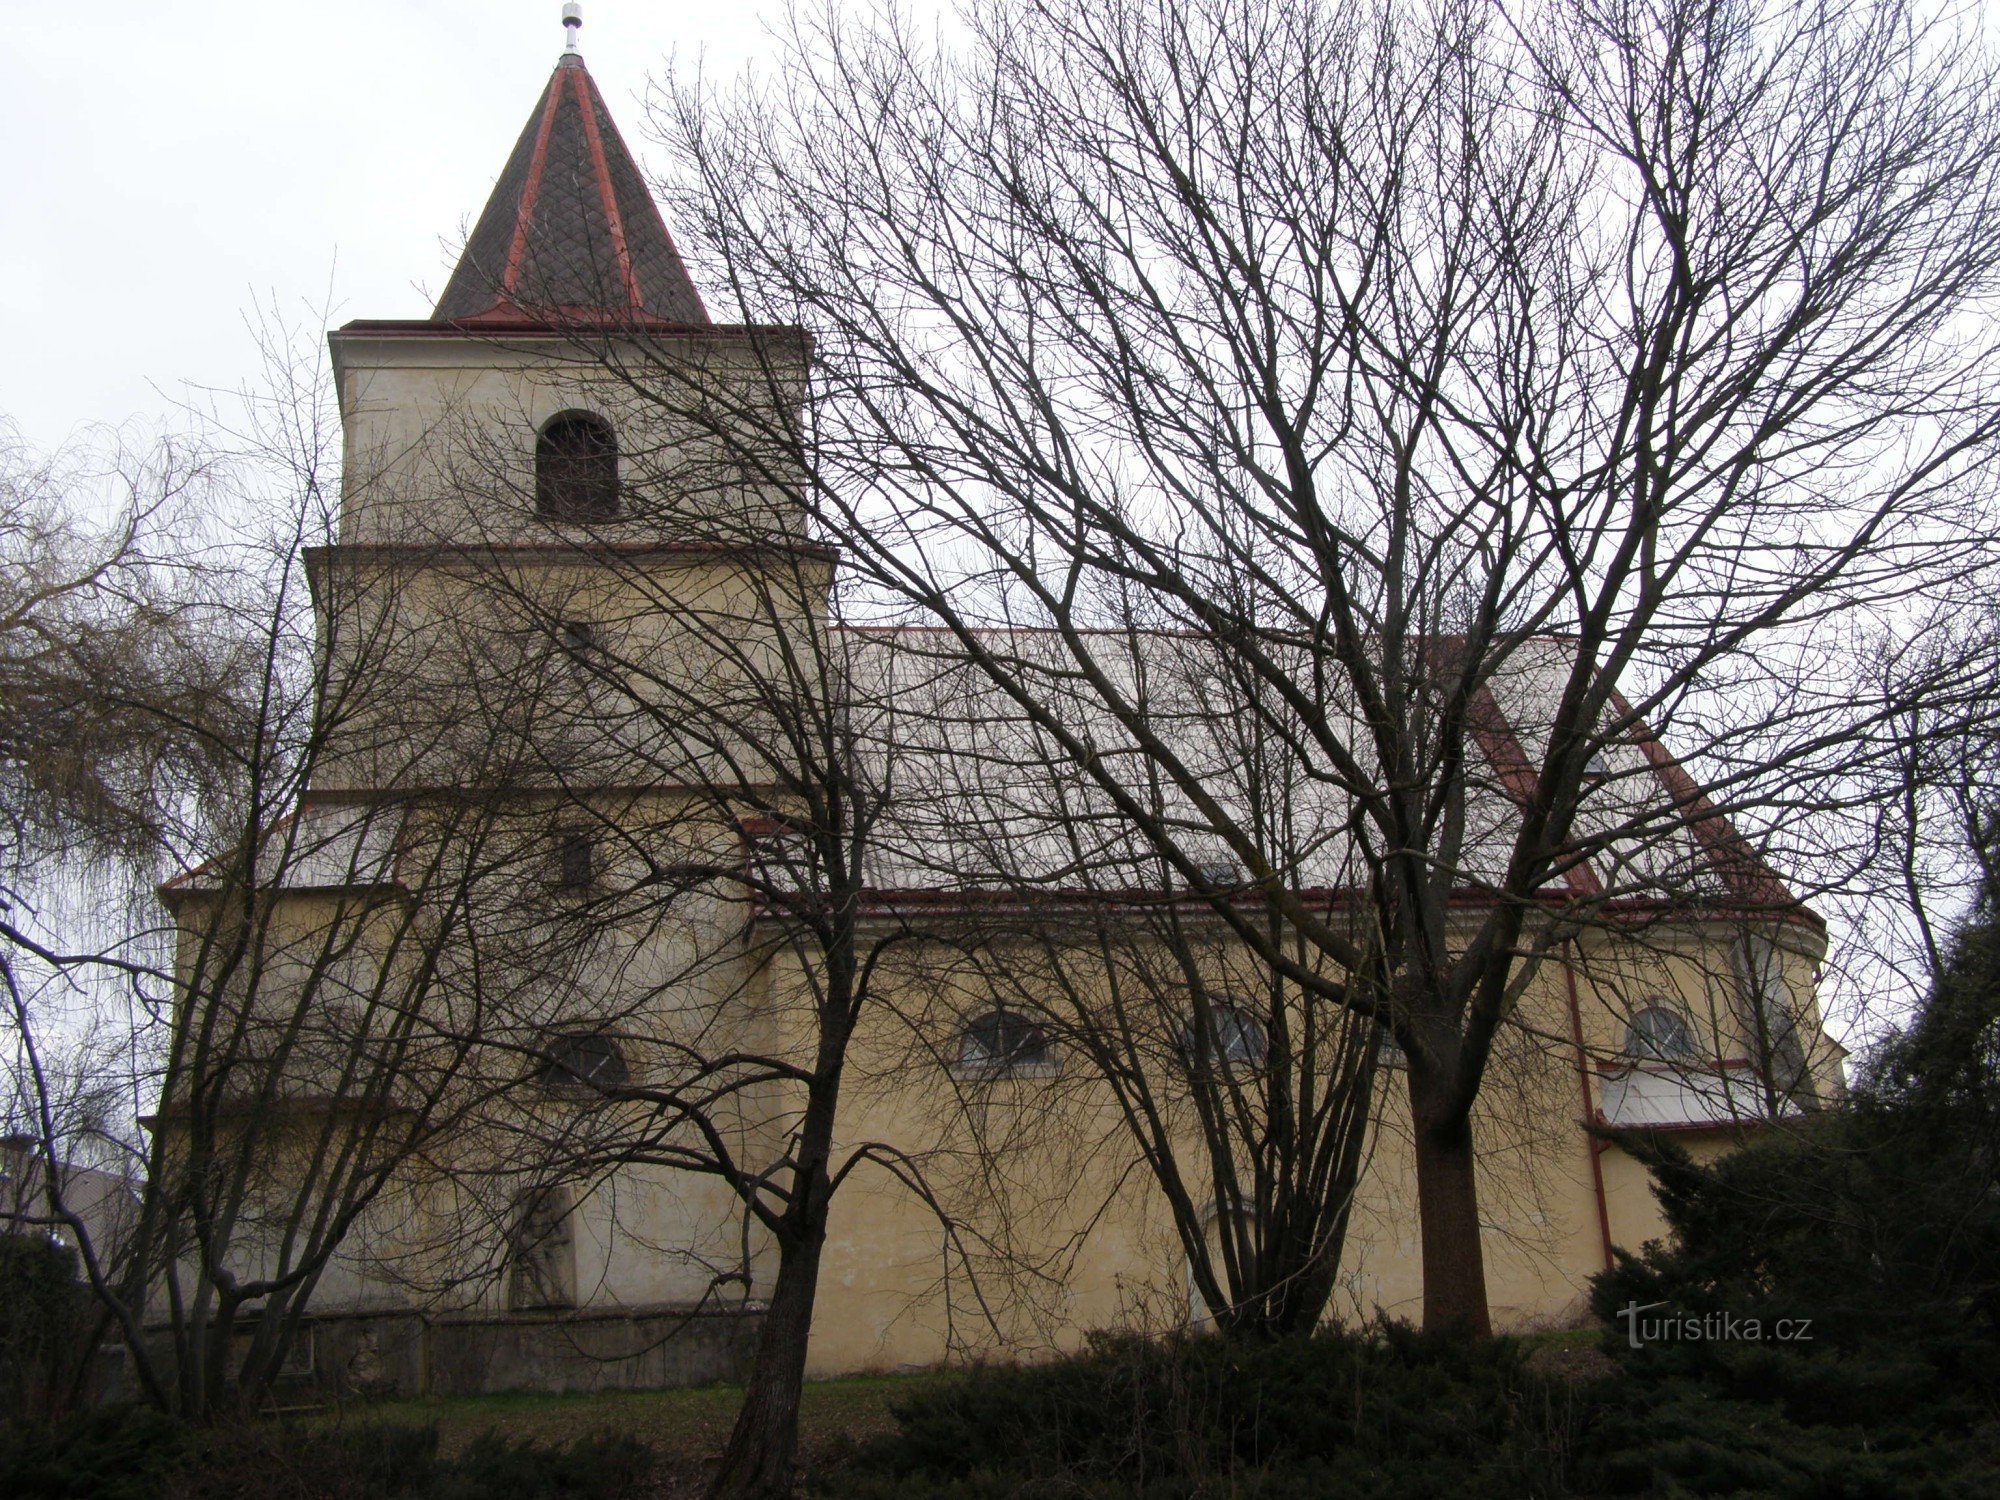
(986, 809)
(570, 232)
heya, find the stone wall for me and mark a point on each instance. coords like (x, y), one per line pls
(358, 1356)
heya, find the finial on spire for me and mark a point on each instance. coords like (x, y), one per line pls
(572, 22)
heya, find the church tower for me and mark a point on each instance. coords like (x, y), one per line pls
(568, 423)
(567, 541)
(569, 292)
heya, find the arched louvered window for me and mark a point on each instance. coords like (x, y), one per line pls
(1661, 1033)
(576, 469)
(1002, 1041)
(584, 1062)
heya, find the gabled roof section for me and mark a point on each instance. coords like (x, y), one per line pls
(570, 233)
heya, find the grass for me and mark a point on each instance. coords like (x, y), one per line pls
(686, 1427)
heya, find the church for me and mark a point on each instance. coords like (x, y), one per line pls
(539, 913)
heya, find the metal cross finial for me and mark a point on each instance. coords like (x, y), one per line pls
(572, 21)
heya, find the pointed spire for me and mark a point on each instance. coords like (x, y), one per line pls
(570, 232)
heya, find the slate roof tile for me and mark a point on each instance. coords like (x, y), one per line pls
(570, 231)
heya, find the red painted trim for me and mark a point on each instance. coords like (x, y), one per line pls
(1729, 852)
(186, 879)
(441, 554)
(1498, 742)
(504, 319)
(940, 898)
(585, 92)
(532, 188)
(1590, 1112)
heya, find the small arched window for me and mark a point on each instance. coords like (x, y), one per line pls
(584, 1061)
(1659, 1032)
(1235, 1037)
(576, 469)
(1002, 1041)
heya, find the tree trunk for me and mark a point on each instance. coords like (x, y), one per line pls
(763, 1447)
(1447, 1211)
(223, 1399)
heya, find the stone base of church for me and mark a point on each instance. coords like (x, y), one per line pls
(362, 1356)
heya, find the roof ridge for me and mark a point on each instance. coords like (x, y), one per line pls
(605, 195)
(530, 189)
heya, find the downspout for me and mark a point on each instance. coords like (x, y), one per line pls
(1596, 1146)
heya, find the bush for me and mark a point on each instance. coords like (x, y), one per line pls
(1397, 1413)
(45, 1325)
(118, 1453)
(136, 1454)
(1749, 1426)
(1389, 1413)
(1879, 1225)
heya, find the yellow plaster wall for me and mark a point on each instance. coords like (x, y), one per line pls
(439, 457)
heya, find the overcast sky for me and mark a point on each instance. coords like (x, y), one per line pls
(167, 162)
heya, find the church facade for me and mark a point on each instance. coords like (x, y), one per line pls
(550, 626)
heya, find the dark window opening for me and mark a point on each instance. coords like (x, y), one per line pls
(1002, 1041)
(298, 1358)
(576, 859)
(542, 1252)
(588, 1060)
(576, 469)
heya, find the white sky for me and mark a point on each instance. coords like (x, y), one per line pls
(167, 162)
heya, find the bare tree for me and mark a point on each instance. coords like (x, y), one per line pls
(1938, 818)
(1499, 394)
(1247, 1097)
(313, 1027)
(751, 715)
(116, 684)
(120, 702)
